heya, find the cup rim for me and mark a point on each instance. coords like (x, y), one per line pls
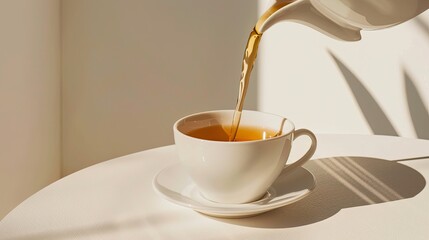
(284, 133)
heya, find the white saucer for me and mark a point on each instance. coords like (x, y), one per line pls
(173, 184)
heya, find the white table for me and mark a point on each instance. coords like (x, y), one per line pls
(368, 187)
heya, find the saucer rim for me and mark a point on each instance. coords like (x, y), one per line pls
(231, 210)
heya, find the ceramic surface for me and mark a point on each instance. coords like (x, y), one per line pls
(344, 19)
(237, 172)
(173, 184)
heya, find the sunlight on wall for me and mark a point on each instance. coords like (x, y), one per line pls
(379, 85)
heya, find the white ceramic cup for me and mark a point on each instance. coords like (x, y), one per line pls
(237, 172)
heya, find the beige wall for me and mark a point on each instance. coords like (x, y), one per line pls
(29, 98)
(131, 68)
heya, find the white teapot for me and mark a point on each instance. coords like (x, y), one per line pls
(342, 19)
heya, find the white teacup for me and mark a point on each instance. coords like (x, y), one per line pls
(237, 172)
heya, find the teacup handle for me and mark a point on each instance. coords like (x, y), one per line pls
(298, 133)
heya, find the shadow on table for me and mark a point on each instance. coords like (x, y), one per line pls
(343, 182)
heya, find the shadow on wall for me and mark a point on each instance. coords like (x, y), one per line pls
(422, 25)
(371, 110)
(374, 114)
(418, 112)
(343, 182)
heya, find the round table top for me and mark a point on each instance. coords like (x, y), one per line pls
(367, 187)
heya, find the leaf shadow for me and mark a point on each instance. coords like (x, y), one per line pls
(422, 25)
(371, 110)
(416, 107)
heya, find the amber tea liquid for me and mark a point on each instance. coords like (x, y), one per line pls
(221, 133)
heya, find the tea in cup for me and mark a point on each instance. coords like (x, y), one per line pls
(239, 171)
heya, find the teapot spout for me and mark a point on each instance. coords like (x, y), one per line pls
(303, 12)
